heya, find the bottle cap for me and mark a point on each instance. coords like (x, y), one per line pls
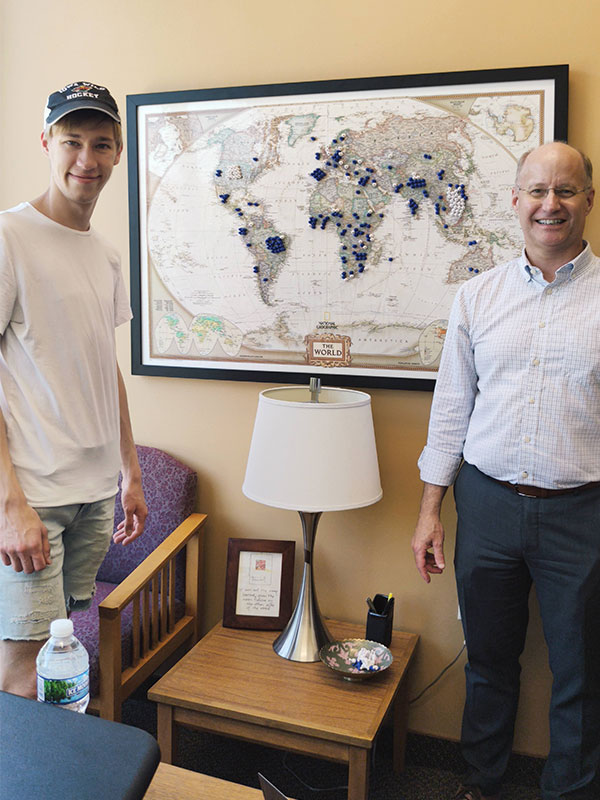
(61, 628)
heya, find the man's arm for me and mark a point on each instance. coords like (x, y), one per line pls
(452, 406)
(132, 496)
(23, 536)
(429, 533)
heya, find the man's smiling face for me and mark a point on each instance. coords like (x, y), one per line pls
(553, 226)
(82, 158)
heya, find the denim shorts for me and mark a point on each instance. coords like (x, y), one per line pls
(79, 537)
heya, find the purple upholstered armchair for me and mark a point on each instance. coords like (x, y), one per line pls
(147, 601)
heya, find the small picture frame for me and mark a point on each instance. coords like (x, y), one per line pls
(258, 584)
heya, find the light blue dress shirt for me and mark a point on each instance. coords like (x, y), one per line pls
(518, 390)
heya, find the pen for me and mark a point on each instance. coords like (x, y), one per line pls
(388, 602)
(371, 605)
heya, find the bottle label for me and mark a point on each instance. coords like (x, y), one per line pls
(63, 691)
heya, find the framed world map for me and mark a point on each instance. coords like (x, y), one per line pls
(285, 231)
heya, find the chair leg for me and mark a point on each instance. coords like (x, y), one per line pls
(110, 708)
(110, 668)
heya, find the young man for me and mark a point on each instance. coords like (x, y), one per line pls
(518, 397)
(64, 420)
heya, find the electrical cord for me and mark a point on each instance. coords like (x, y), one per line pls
(310, 788)
(307, 785)
(443, 672)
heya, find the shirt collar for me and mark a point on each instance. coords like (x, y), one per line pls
(569, 271)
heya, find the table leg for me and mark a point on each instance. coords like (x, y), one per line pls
(400, 724)
(166, 733)
(359, 764)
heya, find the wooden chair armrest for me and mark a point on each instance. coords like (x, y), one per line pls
(123, 594)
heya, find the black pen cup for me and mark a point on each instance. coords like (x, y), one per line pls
(379, 622)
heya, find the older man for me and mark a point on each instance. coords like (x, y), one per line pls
(518, 398)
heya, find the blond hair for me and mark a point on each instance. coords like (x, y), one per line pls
(86, 118)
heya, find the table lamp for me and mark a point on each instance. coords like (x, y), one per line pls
(312, 450)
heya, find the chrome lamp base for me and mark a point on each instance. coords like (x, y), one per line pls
(305, 633)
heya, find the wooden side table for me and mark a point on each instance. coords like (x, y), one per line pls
(233, 683)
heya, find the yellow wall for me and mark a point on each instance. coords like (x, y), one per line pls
(136, 46)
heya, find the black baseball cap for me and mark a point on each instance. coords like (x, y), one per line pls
(76, 96)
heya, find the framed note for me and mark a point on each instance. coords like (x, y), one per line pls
(259, 581)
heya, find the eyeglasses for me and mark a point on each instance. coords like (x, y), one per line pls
(563, 192)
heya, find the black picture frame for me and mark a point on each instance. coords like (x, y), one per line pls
(281, 587)
(552, 80)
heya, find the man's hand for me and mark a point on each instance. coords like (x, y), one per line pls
(136, 511)
(24, 541)
(429, 533)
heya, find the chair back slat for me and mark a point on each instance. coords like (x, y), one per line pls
(145, 620)
(164, 602)
(135, 631)
(172, 583)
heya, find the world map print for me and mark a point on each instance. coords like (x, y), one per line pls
(333, 232)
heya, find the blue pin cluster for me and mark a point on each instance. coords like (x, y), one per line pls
(218, 173)
(472, 242)
(242, 231)
(414, 187)
(275, 244)
(224, 197)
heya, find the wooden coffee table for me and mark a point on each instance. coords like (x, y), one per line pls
(233, 683)
(174, 783)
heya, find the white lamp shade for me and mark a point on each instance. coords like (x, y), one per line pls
(308, 456)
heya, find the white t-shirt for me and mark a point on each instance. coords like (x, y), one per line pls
(61, 297)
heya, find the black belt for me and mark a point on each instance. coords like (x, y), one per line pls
(538, 491)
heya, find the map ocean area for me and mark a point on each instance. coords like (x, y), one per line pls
(268, 223)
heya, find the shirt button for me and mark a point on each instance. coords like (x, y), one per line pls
(527, 439)
(531, 399)
(524, 474)
(542, 324)
(549, 291)
(535, 362)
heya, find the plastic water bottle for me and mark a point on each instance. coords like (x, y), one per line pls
(63, 669)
